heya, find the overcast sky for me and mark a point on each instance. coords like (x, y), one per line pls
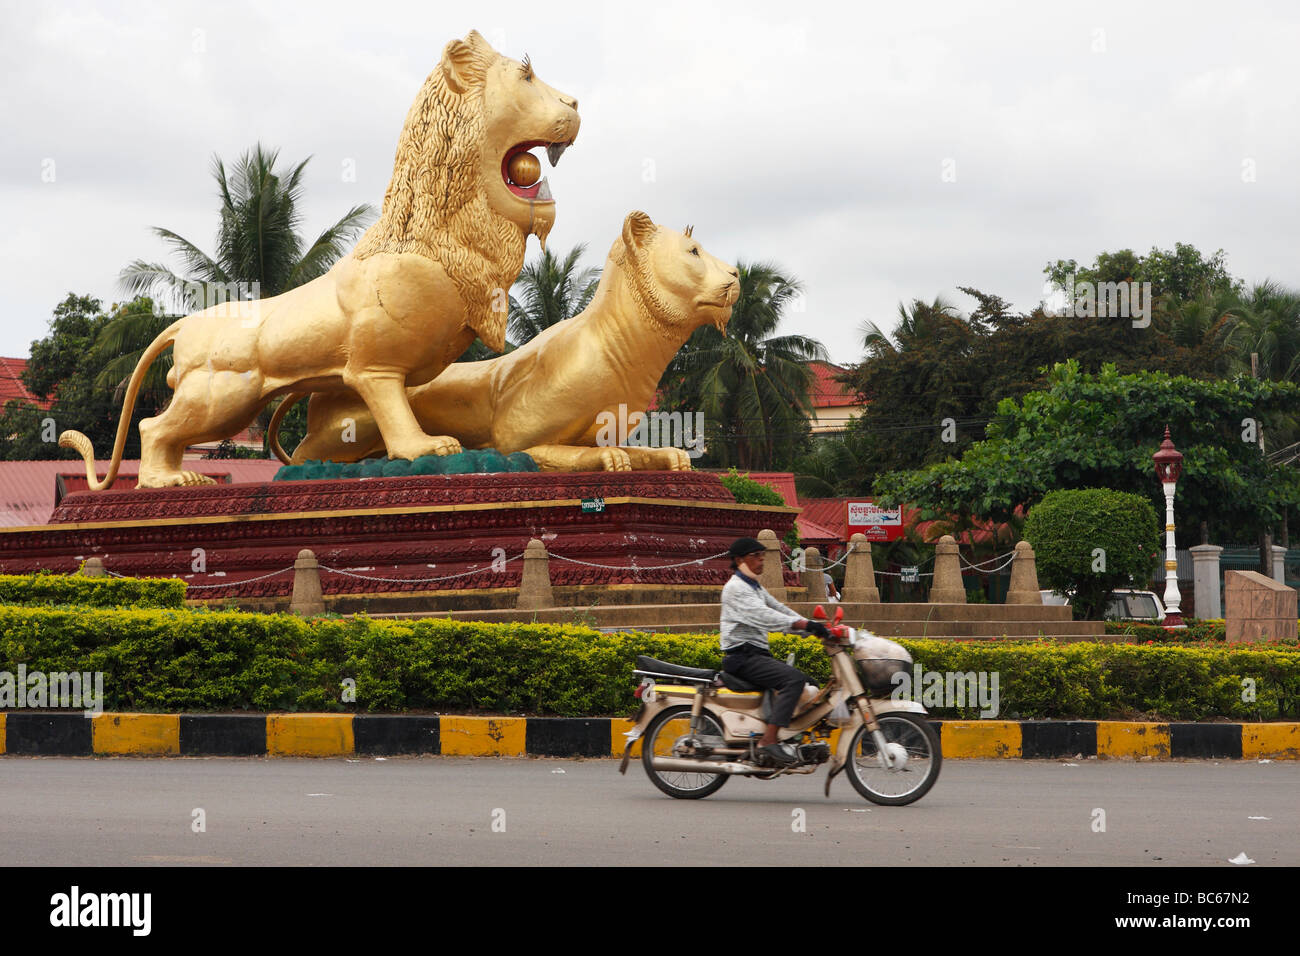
(879, 152)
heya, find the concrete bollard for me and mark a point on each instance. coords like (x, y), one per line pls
(1024, 577)
(308, 599)
(947, 587)
(94, 568)
(1205, 580)
(772, 579)
(812, 576)
(1279, 564)
(860, 573)
(535, 585)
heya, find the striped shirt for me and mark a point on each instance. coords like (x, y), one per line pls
(749, 613)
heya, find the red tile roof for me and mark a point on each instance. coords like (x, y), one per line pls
(826, 392)
(11, 382)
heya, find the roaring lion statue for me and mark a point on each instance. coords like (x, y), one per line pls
(555, 396)
(423, 281)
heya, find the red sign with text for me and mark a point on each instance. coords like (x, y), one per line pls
(878, 524)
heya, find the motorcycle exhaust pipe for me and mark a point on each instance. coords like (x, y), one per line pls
(704, 766)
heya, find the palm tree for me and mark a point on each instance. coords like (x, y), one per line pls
(1266, 323)
(550, 290)
(1202, 324)
(918, 323)
(258, 239)
(259, 249)
(751, 385)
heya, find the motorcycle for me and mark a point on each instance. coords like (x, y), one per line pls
(698, 727)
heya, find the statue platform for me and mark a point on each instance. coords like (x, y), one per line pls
(404, 535)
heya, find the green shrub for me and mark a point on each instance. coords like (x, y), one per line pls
(747, 491)
(53, 589)
(1089, 542)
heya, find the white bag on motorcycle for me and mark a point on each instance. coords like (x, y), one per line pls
(879, 660)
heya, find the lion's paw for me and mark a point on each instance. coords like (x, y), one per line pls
(172, 479)
(615, 459)
(429, 445)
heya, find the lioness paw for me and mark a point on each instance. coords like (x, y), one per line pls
(615, 459)
(678, 460)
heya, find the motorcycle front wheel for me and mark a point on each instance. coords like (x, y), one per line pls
(906, 783)
(660, 736)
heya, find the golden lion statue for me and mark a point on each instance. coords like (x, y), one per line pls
(555, 396)
(426, 278)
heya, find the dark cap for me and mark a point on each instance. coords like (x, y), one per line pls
(743, 546)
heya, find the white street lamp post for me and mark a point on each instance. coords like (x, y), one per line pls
(1169, 466)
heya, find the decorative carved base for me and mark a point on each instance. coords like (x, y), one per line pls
(231, 540)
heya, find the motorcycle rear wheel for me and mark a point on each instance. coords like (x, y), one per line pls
(896, 788)
(659, 738)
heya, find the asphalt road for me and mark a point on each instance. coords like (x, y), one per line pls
(463, 811)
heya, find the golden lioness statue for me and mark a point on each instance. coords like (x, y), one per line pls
(556, 396)
(426, 278)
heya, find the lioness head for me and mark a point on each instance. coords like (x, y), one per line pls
(679, 285)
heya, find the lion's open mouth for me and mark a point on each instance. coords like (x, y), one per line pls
(539, 191)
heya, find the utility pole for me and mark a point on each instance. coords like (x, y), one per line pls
(1265, 534)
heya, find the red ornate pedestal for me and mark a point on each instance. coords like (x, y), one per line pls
(467, 530)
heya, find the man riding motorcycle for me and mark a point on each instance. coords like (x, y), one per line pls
(748, 613)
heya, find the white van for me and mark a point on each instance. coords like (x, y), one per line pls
(1125, 604)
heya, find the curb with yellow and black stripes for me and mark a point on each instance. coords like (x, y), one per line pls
(332, 735)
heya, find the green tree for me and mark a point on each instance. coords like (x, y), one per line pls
(62, 369)
(1088, 542)
(921, 391)
(751, 384)
(931, 392)
(1175, 275)
(1101, 430)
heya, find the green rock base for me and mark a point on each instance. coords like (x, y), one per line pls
(474, 461)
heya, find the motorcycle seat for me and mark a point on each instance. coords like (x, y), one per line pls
(729, 681)
(644, 663)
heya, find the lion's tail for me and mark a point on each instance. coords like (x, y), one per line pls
(273, 429)
(80, 443)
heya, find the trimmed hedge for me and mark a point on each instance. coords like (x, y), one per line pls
(1207, 630)
(180, 660)
(105, 592)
